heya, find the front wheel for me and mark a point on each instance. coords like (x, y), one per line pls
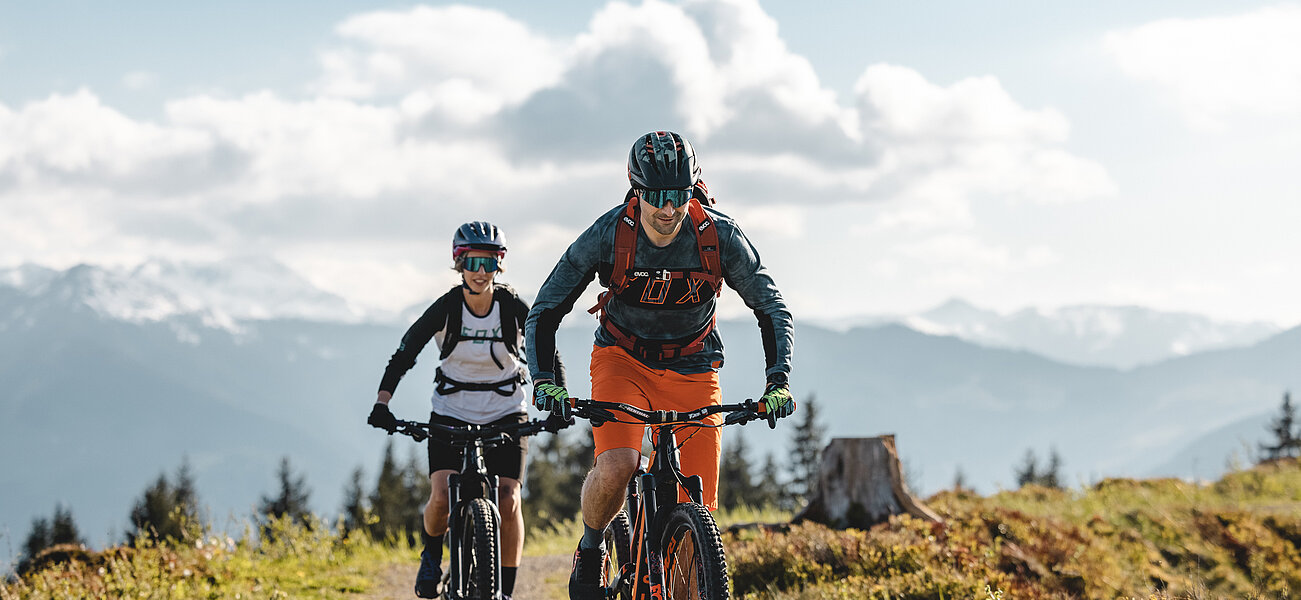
(695, 565)
(479, 555)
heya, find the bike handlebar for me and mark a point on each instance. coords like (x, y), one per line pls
(599, 413)
(492, 435)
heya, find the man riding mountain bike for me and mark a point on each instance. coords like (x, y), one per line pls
(663, 258)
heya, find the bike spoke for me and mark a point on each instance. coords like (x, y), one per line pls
(681, 569)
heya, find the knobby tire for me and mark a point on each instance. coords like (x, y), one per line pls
(618, 543)
(695, 565)
(479, 563)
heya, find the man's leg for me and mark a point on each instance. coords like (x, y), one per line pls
(607, 485)
(616, 377)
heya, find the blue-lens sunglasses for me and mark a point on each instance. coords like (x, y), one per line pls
(657, 198)
(480, 263)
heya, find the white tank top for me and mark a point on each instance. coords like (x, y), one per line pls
(472, 362)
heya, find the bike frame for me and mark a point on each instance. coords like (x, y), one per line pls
(473, 481)
(653, 492)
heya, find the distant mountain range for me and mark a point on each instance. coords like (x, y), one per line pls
(109, 377)
(1093, 335)
(257, 289)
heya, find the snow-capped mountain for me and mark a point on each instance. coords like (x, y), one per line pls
(220, 295)
(223, 295)
(1093, 335)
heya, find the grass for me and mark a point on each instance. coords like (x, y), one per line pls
(1239, 537)
(290, 561)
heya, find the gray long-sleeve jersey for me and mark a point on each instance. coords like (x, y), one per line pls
(657, 308)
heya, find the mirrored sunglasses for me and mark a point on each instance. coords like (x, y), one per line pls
(657, 198)
(487, 264)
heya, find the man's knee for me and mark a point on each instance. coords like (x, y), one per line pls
(617, 465)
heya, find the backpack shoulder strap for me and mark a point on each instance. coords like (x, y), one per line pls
(625, 250)
(707, 244)
(455, 302)
(509, 304)
(625, 242)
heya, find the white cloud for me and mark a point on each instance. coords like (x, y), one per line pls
(971, 139)
(446, 55)
(74, 137)
(1220, 67)
(427, 117)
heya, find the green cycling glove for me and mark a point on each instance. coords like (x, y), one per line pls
(778, 400)
(552, 398)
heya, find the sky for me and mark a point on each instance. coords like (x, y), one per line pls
(882, 156)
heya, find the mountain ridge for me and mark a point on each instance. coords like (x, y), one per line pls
(256, 288)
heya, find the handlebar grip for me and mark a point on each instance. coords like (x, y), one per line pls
(417, 433)
(770, 416)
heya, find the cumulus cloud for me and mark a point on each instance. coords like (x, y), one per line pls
(422, 118)
(463, 61)
(1217, 68)
(75, 137)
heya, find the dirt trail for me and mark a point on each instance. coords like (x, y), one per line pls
(539, 578)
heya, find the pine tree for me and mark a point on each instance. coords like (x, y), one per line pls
(1052, 478)
(390, 502)
(807, 442)
(1030, 471)
(39, 538)
(292, 499)
(1287, 438)
(354, 503)
(167, 512)
(735, 487)
(417, 488)
(769, 491)
(64, 529)
(960, 480)
(557, 468)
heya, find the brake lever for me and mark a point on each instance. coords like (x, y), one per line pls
(554, 422)
(599, 416)
(738, 417)
(417, 433)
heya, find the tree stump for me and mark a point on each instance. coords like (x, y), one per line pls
(860, 484)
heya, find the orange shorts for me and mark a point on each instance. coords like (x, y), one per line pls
(618, 377)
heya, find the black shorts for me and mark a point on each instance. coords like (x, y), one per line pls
(503, 461)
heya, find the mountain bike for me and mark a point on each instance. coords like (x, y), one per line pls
(474, 523)
(662, 549)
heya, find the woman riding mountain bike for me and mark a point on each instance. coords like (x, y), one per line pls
(478, 328)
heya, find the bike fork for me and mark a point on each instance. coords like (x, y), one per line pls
(649, 582)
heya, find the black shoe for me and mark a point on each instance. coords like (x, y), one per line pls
(429, 578)
(587, 581)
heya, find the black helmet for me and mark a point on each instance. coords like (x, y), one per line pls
(478, 235)
(662, 160)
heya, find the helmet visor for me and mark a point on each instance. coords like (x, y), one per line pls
(657, 198)
(487, 264)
